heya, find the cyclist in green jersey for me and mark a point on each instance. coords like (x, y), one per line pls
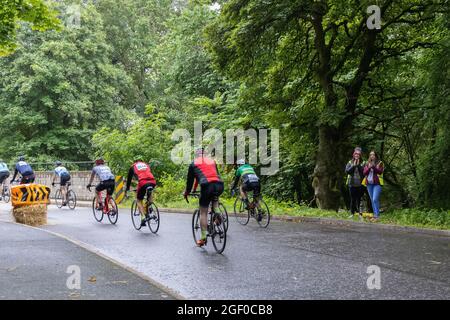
(249, 181)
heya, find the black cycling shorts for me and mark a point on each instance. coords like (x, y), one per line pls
(3, 176)
(108, 185)
(142, 190)
(208, 192)
(27, 179)
(64, 179)
(252, 186)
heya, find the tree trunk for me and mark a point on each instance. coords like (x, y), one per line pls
(329, 171)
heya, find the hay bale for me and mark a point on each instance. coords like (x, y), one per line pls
(32, 215)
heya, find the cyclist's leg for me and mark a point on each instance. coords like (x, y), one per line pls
(204, 201)
(110, 186)
(62, 187)
(140, 194)
(243, 192)
(217, 191)
(98, 190)
(256, 188)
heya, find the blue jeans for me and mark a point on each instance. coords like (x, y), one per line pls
(374, 193)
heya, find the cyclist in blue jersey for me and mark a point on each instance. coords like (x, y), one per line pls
(64, 177)
(25, 170)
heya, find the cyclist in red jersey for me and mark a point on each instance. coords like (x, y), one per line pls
(204, 171)
(142, 172)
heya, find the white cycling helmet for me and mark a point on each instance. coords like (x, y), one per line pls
(240, 162)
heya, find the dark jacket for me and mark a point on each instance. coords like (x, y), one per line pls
(350, 170)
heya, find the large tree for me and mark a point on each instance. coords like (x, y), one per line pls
(318, 56)
(57, 88)
(12, 12)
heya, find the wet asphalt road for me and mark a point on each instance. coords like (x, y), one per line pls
(37, 265)
(285, 261)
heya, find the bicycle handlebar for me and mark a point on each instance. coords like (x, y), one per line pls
(193, 194)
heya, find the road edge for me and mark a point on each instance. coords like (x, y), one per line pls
(95, 251)
(331, 221)
(338, 222)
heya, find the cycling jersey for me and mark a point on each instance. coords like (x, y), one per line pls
(24, 168)
(203, 169)
(3, 167)
(247, 174)
(142, 172)
(103, 172)
(61, 171)
(25, 171)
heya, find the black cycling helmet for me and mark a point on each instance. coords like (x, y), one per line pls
(58, 163)
(21, 158)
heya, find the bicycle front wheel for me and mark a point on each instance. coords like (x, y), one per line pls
(153, 218)
(196, 229)
(113, 213)
(135, 216)
(98, 213)
(219, 233)
(263, 214)
(58, 199)
(242, 216)
(224, 213)
(71, 199)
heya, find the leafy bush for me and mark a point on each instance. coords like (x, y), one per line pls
(169, 189)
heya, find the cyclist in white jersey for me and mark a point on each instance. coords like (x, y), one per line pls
(107, 180)
(63, 174)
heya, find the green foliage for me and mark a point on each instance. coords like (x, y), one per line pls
(57, 89)
(138, 69)
(169, 189)
(142, 138)
(38, 13)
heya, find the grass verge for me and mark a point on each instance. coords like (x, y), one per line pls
(420, 218)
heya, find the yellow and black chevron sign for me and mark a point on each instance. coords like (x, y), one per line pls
(26, 194)
(119, 190)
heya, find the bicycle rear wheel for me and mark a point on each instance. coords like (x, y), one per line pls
(6, 194)
(153, 221)
(196, 229)
(219, 233)
(58, 199)
(224, 213)
(242, 216)
(135, 216)
(98, 214)
(263, 214)
(71, 199)
(113, 213)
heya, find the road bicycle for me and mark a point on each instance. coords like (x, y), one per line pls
(151, 213)
(216, 229)
(257, 209)
(108, 207)
(6, 193)
(70, 195)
